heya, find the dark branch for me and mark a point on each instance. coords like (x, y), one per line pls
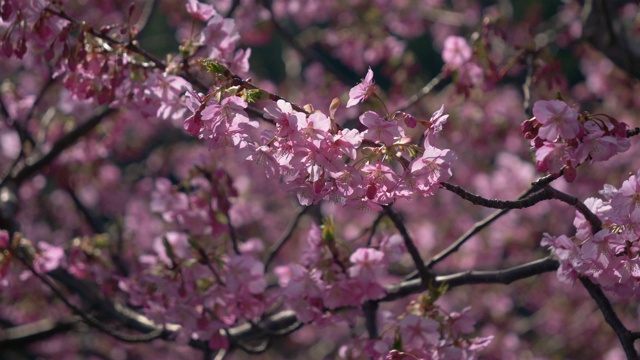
(594, 221)
(425, 274)
(506, 276)
(285, 236)
(23, 335)
(62, 144)
(625, 336)
(526, 202)
(479, 226)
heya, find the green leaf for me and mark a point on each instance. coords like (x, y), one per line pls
(214, 67)
(251, 95)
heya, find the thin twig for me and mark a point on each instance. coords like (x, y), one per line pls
(62, 144)
(374, 226)
(480, 225)
(423, 92)
(426, 276)
(285, 236)
(88, 318)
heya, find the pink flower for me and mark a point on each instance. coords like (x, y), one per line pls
(199, 10)
(596, 253)
(626, 202)
(598, 147)
(551, 157)
(362, 91)
(379, 130)
(49, 258)
(285, 117)
(418, 331)
(557, 119)
(456, 51)
(315, 126)
(368, 264)
(245, 273)
(4, 239)
(433, 167)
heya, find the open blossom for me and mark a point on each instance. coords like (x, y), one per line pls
(456, 51)
(285, 117)
(626, 201)
(362, 91)
(551, 157)
(418, 332)
(557, 118)
(245, 274)
(379, 130)
(49, 258)
(199, 10)
(368, 264)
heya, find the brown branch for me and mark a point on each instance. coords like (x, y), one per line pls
(526, 202)
(374, 226)
(423, 92)
(426, 276)
(370, 310)
(506, 276)
(479, 226)
(66, 141)
(285, 236)
(23, 335)
(625, 336)
(88, 318)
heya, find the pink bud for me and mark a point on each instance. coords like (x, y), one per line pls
(4, 239)
(570, 174)
(371, 191)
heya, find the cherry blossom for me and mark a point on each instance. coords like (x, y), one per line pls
(557, 118)
(362, 91)
(456, 51)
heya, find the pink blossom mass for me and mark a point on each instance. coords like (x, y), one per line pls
(354, 180)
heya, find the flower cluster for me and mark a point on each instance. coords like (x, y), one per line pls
(318, 160)
(326, 279)
(562, 137)
(190, 278)
(610, 257)
(424, 331)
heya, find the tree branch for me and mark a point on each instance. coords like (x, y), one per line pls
(625, 336)
(23, 335)
(506, 276)
(35, 165)
(480, 225)
(426, 276)
(526, 202)
(593, 219)
(285, 236)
